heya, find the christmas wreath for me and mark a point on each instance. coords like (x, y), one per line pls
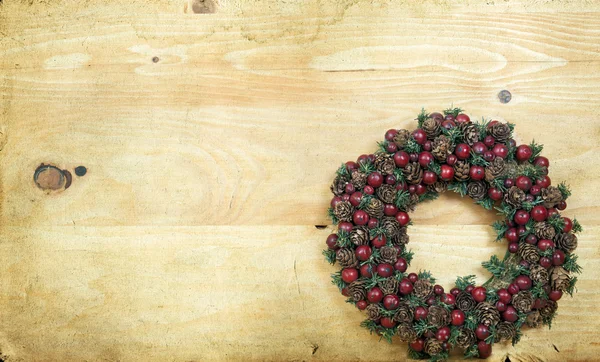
(372, 199)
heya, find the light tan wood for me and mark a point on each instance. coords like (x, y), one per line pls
(210, 141)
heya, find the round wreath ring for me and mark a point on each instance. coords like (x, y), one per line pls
(480, 159)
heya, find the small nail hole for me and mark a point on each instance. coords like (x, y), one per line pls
(80, 171)
(155, 60)
(320, 226)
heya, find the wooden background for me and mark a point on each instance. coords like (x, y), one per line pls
(211, 132)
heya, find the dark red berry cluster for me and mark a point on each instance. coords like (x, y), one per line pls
(372, 200)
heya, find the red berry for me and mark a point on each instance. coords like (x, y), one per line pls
(462, 151)
(535, 190)
(391, 302)
(351, 166)
(539, 213)
(555, 295)
(451, 160)
(454, 291)
(458, 317)
(363, 252)
(521, 230)
(513, 248)
(387, 322)
(345, 226)
(349, 275)
(425, 158)
(568, 225)
(521, 217)
(390, 179)
(462, 118)
(390, 134)
(401, 158)
(366, 271)
(413, 277)
(390, 210)
(375, 179)
(414, 157)
(360, 217)
(552, 211)
(479, 294)
(509, 182)
(349, 188)
(476, 172)
(406, 287)
(374, 295)
(369, 190)
(401, 265)
(438, 289)
(345, 292)
(489, 156)
(443, 334)
(418, 345)
(449, 117)
(362, 159)
(531, 239)
(501, 306)
(371, 157)
(448, 299)
(562, 205)
(524, 282)
(495, 194)
(523, 182)
(500, 150)
(510, 314)
(420, 189)
(420, 136)
(332, 242)
(489, 141)
(539, 303)
(336, 200)
(482, 332)
(523, 153)
(429, 178)
(511, 235)
(421, 313)
(479, 148)
(448, 124)
(427, 145)
(447, 173)
(362, 304)
(541, 161)
(468, 289)
(558, 257)
(385, 270)
(545, 244)
(545, 262)
(430, 301)
(345, 197)
(402, 218)
(355, 198)
(391, 147)
(484, 349)
(513, 288)
(503, 295)
(544, 182)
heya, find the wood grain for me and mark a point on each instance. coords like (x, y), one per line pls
(210, 141)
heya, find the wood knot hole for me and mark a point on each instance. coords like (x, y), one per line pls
(504, 96)
(51, 178)
(201, 6)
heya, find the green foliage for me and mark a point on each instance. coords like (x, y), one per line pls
(412, 354)
(364, 201)
(517, 337)
(454, 134)
(422, 117)
(463, 282)
(471, 320)
(399, 174)
(329, 256)
(343, 240)
(472, 352)
(547, 320)
(478, 160)
(458, 187)
(332, 216)
(425, 274)
(415, 301)
(373, 258)
(336, 279)
(538, 291)
(454, 333)
(382, 147)
(529, 229)
(492, 337)
(366, 167)
(571, 264)
(500, 228)
(577, 227)
(486, 202)
(571, 288)
(412, 146)
(435, 167)
(503, 270)
(557, 222)
(455, 111)
(373, 280)
(547, 253)
(402, 199)
(491, 296)
(343, 171)
(428, 196)
(565, 190)
(439, 357)
(407, 255)
(521, 317)
(377, 231)
(528, 205)
(506, 211)
(511, 152)
(536, 149)
(532, 171)
(482, 125)
(422, 327)
(398, 275)
(498, 183)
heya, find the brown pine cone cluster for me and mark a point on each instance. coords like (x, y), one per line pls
(359, 235)
(551, 196)
(544, 230)
(461, 171)
(346, 258)
(438, 316)
(386, 193)
(389, 286)
(441, 148)
(343, 211)
(488, 314)
(413, 173)
(374, 208)
(566, 242)
(465, 302)
(477, 190)
(406, 332)
(514, 197)
(432, 128)
(423, 289)
(401, 138)
(495, 169)
(470, 133)
(523, 301)
(384, 163)
(404, 314)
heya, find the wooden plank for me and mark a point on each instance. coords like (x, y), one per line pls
(210, 141)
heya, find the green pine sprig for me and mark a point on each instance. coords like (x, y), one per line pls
(343, 171)
(425, 274)
(557, 222)
(435, 167)
(329, 256)
(571, 264)
(528, 205)
(407, 255)
(399, 174)
(506, 210)
(536, 150)
(412, 146)
(412, 354)
(492, 337)
(478, 160)
(364, 201)
(571, 288)
(511, 151)
(538, 291)
(547, 253)
(336, 279)
(503, 270)
(455, 111)
(463, 282)
(443, 356)
(577, 227)
(534, 172)
(565, 190)
(491, 296)
(332, 216)
(498, 183)
(422, 117)
(343, 240)
(428, 196)
(458, 187)
(382, 147)
(454, 135)
(500, 228)
(414, 301)
(471, 320)
(517, 337)
(471, 352)
(422, 327)
(367, 167)
(402, 199)
(486, 202)
(483, 126)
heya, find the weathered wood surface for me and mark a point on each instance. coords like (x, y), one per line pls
(210, 140)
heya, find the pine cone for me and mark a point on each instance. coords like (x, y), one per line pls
(413, 201)
(401, 138)
(357, 291)
(359, 235)
(529, 253)
(544, 230)
(549, 309)
(551, 196)
(500, 131)
(388, 254)
(404, 313)
(386, 193)
(375, 208)
(406, 332)
(391, 226)
(523, 301)
(384, 163)
(441, 148)
(533, 319)
(461, 171)
(538, 274)
(338, 187)
(343, 211)
(487, 314)
(359, 180)
(477, 190)
(346, 258)
(431, 127)
(422, 289)
(438, 187)
(495, 169)
(433, 346)
(389, 285)
(470, 132)
(438, 316)
(505, 331)
(465, 302)
(413, 173)
(402, 238)
(559, 278)
(466, 338)
(373, 312)
(566, 242)
(514, 197)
